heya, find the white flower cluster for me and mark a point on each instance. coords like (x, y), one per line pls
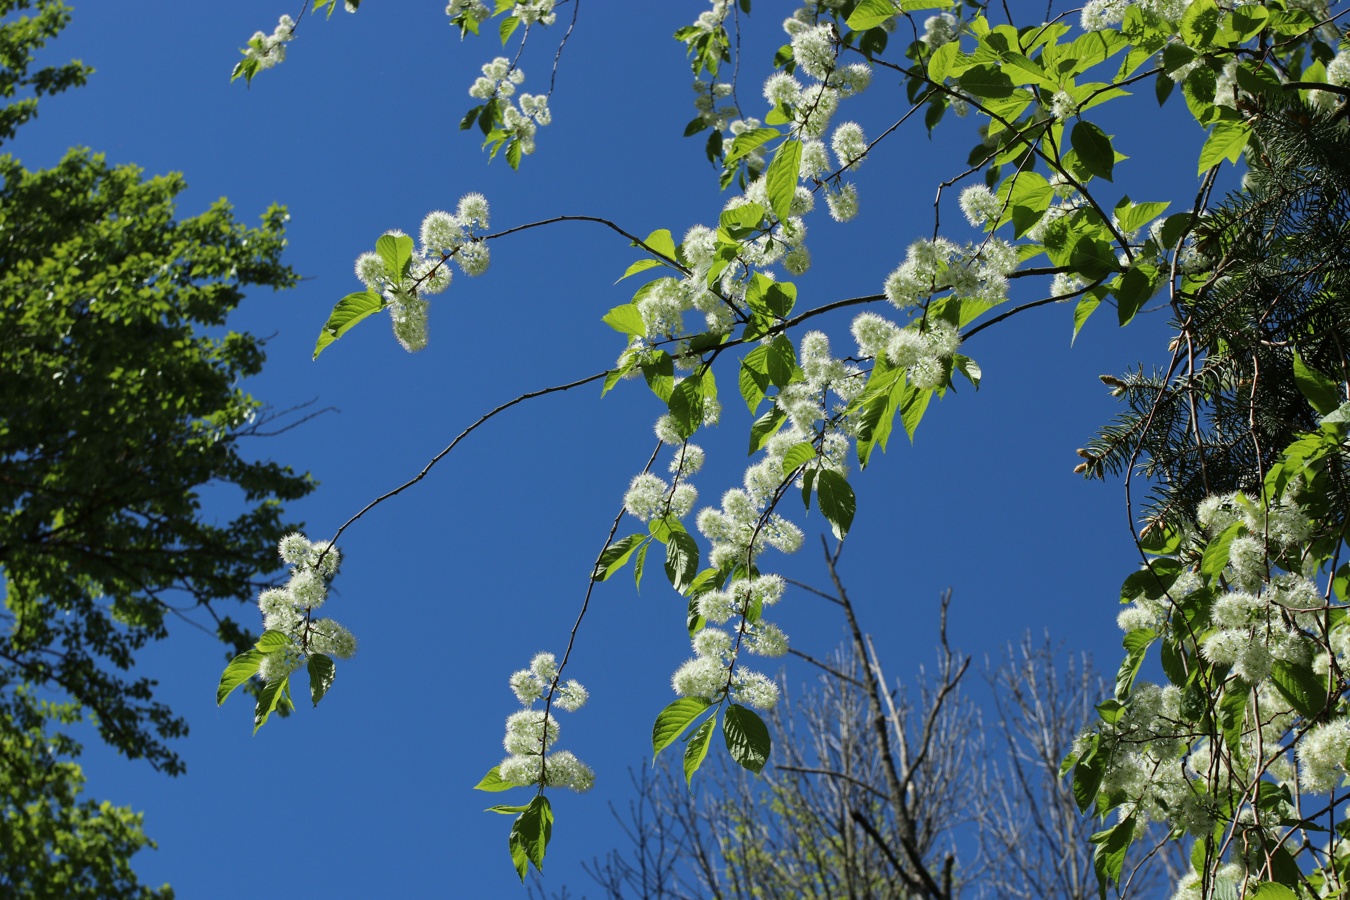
(649, 497)
(922, 352)
(531, 11)
(712, 672)
(289, 609)
(1101, 14)
(939, 30)
(267, 50)
(531, 733)
(979, 271)
(813, 49)
(443, 236)
(467, 9)
(981, 208)
(498, 85)
(710, 112)
(739, 529)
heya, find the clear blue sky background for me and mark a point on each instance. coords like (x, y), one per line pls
(456, 584)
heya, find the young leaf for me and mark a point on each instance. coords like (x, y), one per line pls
(1094, 150)
(1108, 859)
(492, 781)
(780, 181)
(681, 560)
(274, 640)
(660, 374)
(616, 555)
(1318, 389)
(1305, 690)
(697, 749)
(837, 502)
(530, 835)
(348, 311)
(268, 698)
(686, 405)
(674, 720)
(870, 14)
(396, 251)
(240, 669)
(321, 675)
(797, 455)
(1226, 141)
(747, 737)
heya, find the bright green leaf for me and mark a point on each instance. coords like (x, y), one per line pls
(240, 669)
(674, 720)
(697, 749)
(348, 311)
(780, 181)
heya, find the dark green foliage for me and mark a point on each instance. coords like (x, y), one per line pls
(118, 409)
(18, 39)
(52, 842)
(1276, 283)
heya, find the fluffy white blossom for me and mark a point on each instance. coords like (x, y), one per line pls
(1321, 755)
(849, 145)
(813, 51)
(980, 206)
(939, 30)
(842, 202)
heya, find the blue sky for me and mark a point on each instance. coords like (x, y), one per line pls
(457, 583)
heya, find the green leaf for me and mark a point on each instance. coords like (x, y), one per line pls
(681, 560)
(1216, 554)
(505, 810)
(268, 698)
(1108, 859)
(674, 721)
(240, 669)
(837, 502)
(1093, 147)
(1317, 389)
(321, 675)
(1087, 780)
(1136, 646)
(697, 749)
(1199, 24)
(274, 640)
(492, 781)
(1136, 287)
(797, 456)
(870, 14)
(626, 318)
(530, 835)
(615, 556)
(1133, 216)
(1305, 690)
(641, 265)
(686, 405)
(780, 180)
(780, 362)
(660, 374)
(1269, 890)
(1226, 141)
(348, 311)
(747, 737)
(754, 377)
(911, 411)
(639, 564)
(743, 218)
(765, 427)
(507, 27)
(986, 82)
(746, 142)
(396, 251)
